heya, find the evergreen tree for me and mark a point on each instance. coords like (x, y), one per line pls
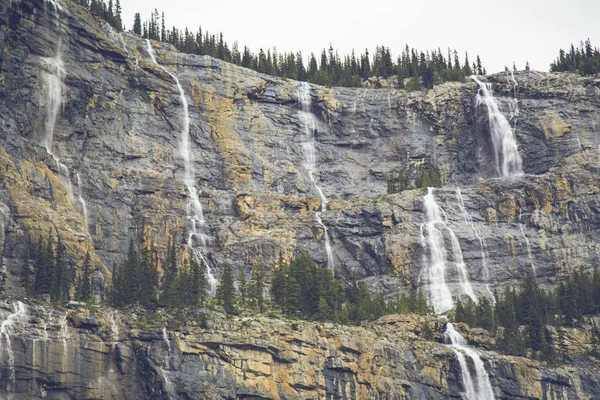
(84, 288)
(226, 290)
(137, 24)
(256, 286)
(61, 282)
(242, 286)
(148, 282)
(170, 294)
(198, 278)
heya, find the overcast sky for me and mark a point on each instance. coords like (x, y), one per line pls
(500, 32)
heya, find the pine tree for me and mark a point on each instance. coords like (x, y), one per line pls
(137, 24)
(198, 278)
(170, 293)
(62, 280)
(84, 288)
(242, 286)
(256, 286)
(148, 284)
(226, 290)
(26, 278)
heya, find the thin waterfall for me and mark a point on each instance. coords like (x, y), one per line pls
(167, 365)
(114, 327)
(528, 244)
(54, 82)
(507, 159)
(475, 380)
(19, 315)
(482, 246)
(81, 200)
(309, 123)
(54, 105)
(197, 238)
(433, 237)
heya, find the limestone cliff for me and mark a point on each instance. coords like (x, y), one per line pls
(106, 355)
(119, 126)
(90, 150)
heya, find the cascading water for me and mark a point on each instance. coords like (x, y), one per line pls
(432, 238)
(81, 200)
(114, 327)
(167, 364)
(476, 381)
(54, 81)
(196, 237)
(482, 246)
(522, 229)
(310, 161)
(7, 326)
(122, 41)
(64, 335)
(54, 104)
(506, 152)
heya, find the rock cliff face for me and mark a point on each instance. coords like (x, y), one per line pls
(90, 150)
(101, 355)
(118, 133)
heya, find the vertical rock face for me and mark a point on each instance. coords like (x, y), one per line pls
(117, 172)
(77, 355)
(119, 131)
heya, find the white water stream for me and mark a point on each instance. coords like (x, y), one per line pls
(81, 200)
(7, 327)
(54, 105)
(506, 152)
(114, 327)
(434, 234)
(482, 246)
(309, 123)
(475, 379)
(528, 244)
(197, 238)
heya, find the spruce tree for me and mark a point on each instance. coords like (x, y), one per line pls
(137, 24)
(84, 288)
(226, 290)
(256, 286)
(170, 294)
(62, 281)
(199, 286)
(242, 286)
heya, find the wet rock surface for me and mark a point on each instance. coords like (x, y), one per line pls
(119, 128)
(211, 357)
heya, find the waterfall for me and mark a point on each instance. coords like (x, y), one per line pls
(506, 153)
(482, 246)
(6, 329)
(477, 386)
(514, 104)
(432, 238)
(114, 327)
(81, 200)
(167, 364)
(64, 335)
(122, 41)
(196, 236)
(309, 123)
(54, 82)
(522, 229)
(54, 105)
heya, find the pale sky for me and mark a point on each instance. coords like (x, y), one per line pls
(500, 32)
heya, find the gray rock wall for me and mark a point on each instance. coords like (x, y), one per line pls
(120, 125)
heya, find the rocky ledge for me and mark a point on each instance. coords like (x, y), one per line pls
(100, 354)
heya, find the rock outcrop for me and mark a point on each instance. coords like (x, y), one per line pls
(90, 152)
(119, 126)
(108, 355)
